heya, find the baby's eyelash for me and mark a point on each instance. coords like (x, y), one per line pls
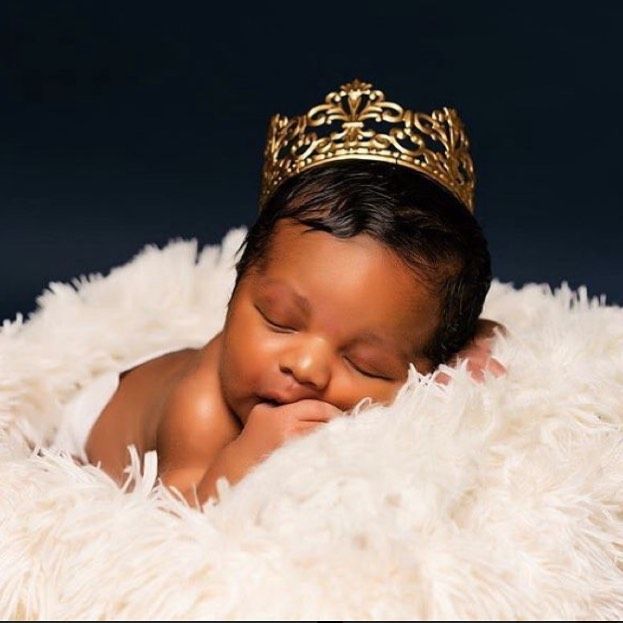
(282, 328)
(369, 374)
(278, 326)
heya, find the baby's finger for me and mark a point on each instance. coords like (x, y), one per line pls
(496, 367)
(306, 427)
(442, 378)
(477, 368)
(318, 411)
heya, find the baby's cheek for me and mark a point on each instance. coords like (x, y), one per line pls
(347, 391)
(254, 354)
(388, 394)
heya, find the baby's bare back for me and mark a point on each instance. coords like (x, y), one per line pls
(136, 412)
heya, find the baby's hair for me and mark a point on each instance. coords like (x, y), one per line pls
(423, 224)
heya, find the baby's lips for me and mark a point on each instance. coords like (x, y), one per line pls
(269, 403)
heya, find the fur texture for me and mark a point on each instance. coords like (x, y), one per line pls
(500, 500)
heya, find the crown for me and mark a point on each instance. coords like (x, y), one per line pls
(434, 145)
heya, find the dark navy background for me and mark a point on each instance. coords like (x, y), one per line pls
(128, 123)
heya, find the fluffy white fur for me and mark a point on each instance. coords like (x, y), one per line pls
(500, 500)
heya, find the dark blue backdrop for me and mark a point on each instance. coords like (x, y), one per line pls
(124, 124)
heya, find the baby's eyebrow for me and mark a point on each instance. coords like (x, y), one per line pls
(370, 338)
(299, 299)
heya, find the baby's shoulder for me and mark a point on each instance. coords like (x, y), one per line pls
(196, 386)
(194, 415)
(193, 396)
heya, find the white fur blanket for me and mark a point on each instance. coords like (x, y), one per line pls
(501, 500)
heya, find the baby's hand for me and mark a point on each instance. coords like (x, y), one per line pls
(268, 427)
(478, 353)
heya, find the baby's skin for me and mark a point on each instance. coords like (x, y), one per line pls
(324, 323)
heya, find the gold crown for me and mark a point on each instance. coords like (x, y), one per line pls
(435, 145)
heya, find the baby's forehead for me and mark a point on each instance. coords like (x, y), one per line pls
(309, 254)
(290, 242)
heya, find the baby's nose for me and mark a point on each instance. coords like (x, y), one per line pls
(309, 364)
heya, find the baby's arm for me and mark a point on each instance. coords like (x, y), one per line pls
(267, 428)
(196, 450)
(191, 434)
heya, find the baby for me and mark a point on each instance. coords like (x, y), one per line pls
(353, 270)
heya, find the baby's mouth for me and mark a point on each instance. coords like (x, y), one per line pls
(269, 401)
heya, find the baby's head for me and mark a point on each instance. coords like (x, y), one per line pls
(352, 271)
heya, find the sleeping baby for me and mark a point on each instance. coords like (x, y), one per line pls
(354, 270)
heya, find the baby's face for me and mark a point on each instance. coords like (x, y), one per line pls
(330, 319)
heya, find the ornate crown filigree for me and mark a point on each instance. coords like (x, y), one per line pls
(435, 145)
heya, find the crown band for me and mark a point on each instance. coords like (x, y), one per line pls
(434, 145)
